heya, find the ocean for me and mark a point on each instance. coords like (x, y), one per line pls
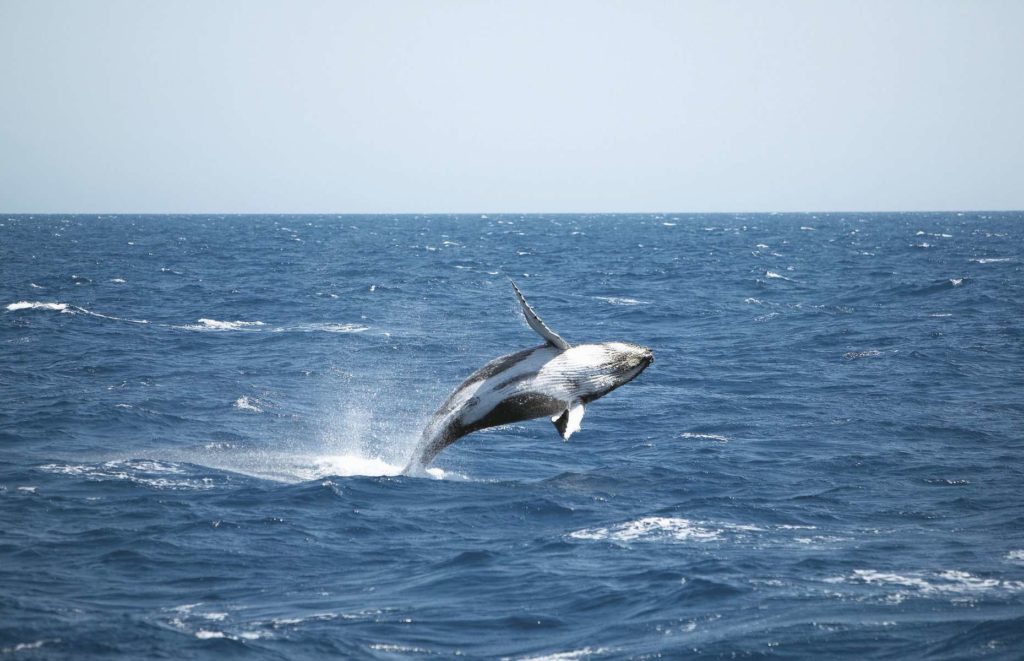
(202, 419)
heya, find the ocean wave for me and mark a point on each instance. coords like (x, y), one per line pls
(243, 403)
(946, 582)
(710, 437)
(37, 305)
(295, 467)
(155, 474)
(323, 328)
(354, 465)
(203, 324)
(867, 353)
(392, 648)
(571, 655)
(215, 325)
(615, 300)
(66, 308)
(656, 529)
(25, 647)
(651, 527)
(191, 618)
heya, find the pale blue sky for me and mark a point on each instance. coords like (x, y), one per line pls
(349, 107)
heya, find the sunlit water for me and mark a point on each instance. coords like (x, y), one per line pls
(202, 421)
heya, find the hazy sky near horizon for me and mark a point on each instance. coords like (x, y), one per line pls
(458, 106)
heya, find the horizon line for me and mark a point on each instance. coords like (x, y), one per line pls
(494, 213)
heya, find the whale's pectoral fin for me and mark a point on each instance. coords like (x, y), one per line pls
(569, 421)
(536, 324)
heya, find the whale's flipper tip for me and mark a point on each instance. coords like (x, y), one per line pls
(570, 420)
(536, 323)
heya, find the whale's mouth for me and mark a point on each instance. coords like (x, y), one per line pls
(644, 363)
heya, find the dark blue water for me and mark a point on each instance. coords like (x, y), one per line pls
(199, 417)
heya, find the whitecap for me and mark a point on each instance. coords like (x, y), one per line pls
(571, 655)
(711, 437)
(155, 474)
(22, 647)
(36, 305)
(66, 309)
(399, 649)
(956, 282)
(118, 281)
(990, 260)
(329, 328)
(869, 353)
(1015, 556)
(808, 228)
(614, 300)
(107, 316)
(648, 528)
(948, 581)
(772, 275)
(215, 325)
(186, 608)
(204, 634)
(252, 635)
(243, 403)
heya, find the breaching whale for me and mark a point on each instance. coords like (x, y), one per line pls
(553, 380)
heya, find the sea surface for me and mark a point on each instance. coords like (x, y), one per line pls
(202, 419)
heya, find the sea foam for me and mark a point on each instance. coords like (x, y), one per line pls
(37, 305)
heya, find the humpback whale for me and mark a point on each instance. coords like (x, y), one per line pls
(554, 380)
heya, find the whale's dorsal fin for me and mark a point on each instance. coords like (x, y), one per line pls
(536, 324)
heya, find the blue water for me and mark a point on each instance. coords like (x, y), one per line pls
(201, 418)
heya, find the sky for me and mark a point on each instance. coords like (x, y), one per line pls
(472, 106)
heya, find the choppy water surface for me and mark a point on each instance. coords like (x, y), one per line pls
(201, 419)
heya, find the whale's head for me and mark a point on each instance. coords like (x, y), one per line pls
(626, 360)
(607, 366)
